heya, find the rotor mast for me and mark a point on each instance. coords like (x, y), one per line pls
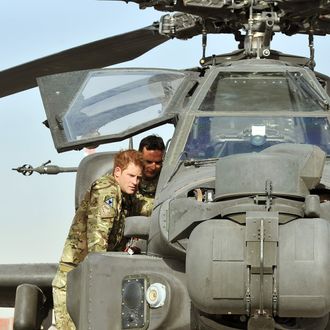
(260, 30)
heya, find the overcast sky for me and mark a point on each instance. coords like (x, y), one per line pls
(36, 211)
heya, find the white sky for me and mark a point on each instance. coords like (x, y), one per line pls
(37, 211)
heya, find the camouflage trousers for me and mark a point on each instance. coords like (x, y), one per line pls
(63, 320)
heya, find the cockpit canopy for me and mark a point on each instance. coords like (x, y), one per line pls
(100, 106)
(238, 107)
(220, 136)
(245, 112)
(262, 91)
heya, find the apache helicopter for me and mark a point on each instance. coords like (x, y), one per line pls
(239, 234)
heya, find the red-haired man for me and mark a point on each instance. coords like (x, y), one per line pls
(98, 224)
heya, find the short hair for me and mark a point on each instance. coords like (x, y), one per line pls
(152, 142)
(124, 157)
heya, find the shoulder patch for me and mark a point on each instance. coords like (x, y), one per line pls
(109, 201)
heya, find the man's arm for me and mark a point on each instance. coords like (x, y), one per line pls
(101, 216)
(141, 205)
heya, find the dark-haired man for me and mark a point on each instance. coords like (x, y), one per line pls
(152, 148)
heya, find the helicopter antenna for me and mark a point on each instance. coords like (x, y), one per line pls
(311, 62)
(44, 168)
(204, 43)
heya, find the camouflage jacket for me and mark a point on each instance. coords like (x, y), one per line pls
(98, 223)
(143, 201)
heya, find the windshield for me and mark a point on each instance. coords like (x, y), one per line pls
(111, 102)
(265, 91)
(214, 137)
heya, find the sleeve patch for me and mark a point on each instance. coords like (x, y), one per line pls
(109, 201)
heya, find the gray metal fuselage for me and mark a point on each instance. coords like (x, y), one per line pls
(238, 238)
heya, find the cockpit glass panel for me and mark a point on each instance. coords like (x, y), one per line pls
(111, 102)
(255, 91)
(215, 137)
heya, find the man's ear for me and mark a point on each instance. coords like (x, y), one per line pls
(117, 172)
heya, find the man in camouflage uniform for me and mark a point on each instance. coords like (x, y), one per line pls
(98, 224)
(152, 148)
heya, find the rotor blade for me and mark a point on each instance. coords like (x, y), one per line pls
(97, 54)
